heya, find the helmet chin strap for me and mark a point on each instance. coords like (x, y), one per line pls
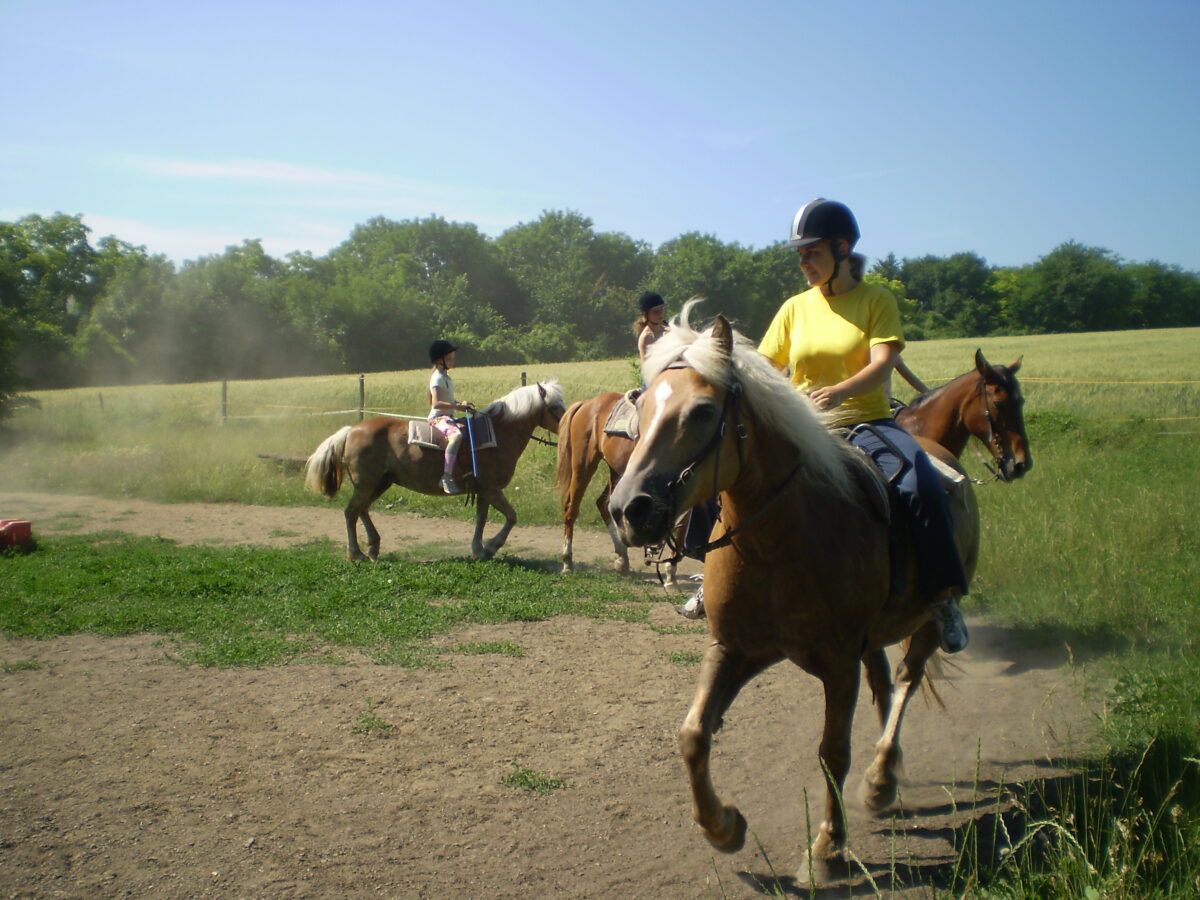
(838, 256)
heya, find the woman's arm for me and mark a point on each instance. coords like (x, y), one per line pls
(870, 376)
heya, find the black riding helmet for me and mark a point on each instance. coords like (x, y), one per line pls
(440, 348)
(824, 220)
(649, 300)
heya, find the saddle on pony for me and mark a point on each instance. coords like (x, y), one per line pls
(421, 433)
(623, 418)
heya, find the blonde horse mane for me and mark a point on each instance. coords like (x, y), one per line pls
(775, 401)
(523, 402)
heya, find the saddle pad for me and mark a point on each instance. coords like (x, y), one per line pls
(623, 420)
(422, 434)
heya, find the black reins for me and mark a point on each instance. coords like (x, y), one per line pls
(732, 405)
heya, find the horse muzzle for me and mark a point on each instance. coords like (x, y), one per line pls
(641, 512)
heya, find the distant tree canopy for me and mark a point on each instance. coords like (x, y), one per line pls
(553, 289)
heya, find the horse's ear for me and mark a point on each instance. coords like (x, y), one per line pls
(542, 391)
(981, 363)
(1012, 370)
(723, 335)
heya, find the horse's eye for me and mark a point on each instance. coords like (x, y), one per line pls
(702, 414)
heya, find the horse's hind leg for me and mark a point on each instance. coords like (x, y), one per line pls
(368, 525)
(882, 776)
(722, 674)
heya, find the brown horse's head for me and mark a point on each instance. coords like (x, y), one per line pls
(998, 418)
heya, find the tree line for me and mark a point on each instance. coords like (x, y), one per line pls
(74, 313)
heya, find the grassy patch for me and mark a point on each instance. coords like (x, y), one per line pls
(685, 657)
(499, 648)
(19, 665)
(527, 779)
(369, 723)
(249, 606)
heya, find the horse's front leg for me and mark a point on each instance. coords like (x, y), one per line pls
(620, 551)
(883, 775)
(826, 859)
(501, 502)
(722, 674)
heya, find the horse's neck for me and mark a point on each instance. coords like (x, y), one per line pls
(941, 418)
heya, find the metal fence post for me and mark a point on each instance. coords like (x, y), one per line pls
(362, 397)
(224, 402)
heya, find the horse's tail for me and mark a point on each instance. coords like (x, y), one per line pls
(564, 445)
(323, 471)
(935, 670)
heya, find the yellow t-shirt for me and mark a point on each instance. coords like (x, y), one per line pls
(825, 340)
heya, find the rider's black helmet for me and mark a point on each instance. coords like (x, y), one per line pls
(649, 300)
(440, 348)
(823, 219)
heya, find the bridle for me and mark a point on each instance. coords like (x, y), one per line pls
(730, 408)
(992, 442)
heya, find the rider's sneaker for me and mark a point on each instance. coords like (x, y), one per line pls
(449, 485)
(693, 606)
(950, 622)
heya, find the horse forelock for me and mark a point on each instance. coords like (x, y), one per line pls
(525, 402)
(773, 399)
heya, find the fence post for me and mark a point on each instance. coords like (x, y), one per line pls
(522, 379)
(100, 397)
(224, 402)
(362, 397)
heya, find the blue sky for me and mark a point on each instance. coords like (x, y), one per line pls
(999, 128)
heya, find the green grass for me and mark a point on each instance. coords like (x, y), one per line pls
(242, 606)
(369, 723)
(530, 780)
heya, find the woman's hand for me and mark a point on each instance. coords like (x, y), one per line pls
(827, 397)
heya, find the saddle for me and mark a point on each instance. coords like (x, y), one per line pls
(422, 434)
(623, 419)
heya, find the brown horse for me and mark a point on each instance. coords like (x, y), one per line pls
(985, 402)
(799, 566)
(376, 454)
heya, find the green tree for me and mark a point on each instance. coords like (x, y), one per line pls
(1073, 288)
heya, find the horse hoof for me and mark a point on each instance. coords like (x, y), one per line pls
(621, 565)
(822, 870)
(567, 569)
(357, 556)
(730, 836)
(373, 554)
(878, 795)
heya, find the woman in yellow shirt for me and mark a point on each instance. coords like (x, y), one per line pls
(840, 341)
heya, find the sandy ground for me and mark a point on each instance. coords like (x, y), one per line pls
(122, 775)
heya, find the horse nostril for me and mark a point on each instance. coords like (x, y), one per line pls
(637, 510)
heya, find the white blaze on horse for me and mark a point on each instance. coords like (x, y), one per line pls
(800, 566)
(376, 453)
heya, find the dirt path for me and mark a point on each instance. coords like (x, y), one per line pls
(124, 776)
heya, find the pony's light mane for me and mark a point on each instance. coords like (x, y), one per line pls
(524, 402)
(776, 404)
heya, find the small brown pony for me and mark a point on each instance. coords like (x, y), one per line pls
(985, 402)
(376, 454)
(582, 445)
(799, 566)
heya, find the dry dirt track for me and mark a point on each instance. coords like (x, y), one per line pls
(123, 776)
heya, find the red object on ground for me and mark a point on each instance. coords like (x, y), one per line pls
(15, 532)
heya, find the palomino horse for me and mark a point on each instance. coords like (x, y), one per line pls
(376, 454)
(985, 402)
(798, 568)
(582, 445)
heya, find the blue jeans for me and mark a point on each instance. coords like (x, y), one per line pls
(922, 502)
